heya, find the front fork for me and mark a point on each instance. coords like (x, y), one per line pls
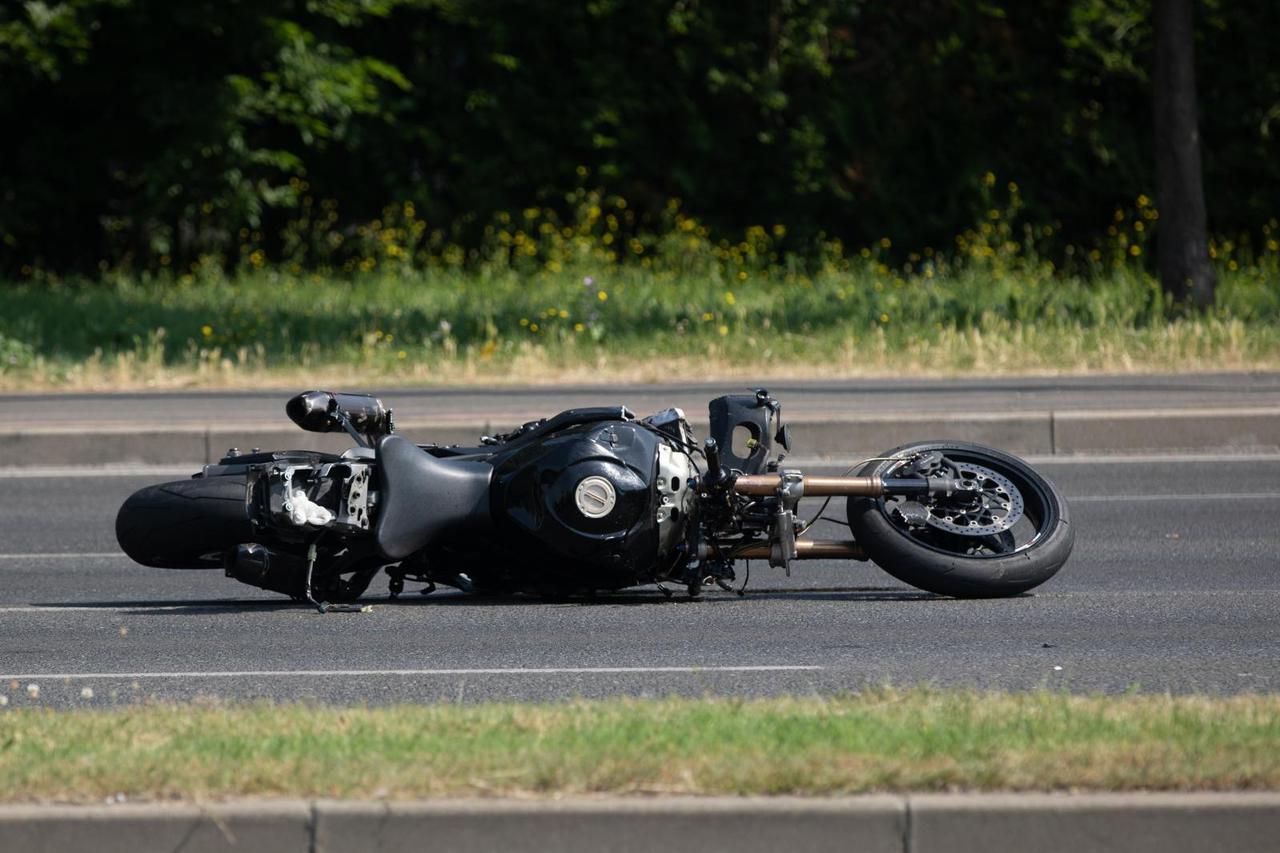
(790, 486)
(873, 486)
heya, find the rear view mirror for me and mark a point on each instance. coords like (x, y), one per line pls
(784, 437)
(317, 411)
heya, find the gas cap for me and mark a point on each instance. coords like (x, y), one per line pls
(595, 497)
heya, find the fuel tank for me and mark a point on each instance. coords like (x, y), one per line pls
(581, 501)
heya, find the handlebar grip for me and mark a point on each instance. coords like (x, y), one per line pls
(711, 450)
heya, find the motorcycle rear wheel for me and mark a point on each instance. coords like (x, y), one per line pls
(194, 524)
(187, 524)
(1002, 564)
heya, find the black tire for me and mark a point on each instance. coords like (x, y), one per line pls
(187, 524)
(935, 565)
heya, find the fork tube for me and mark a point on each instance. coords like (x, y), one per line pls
(807, 549)
(861, 487)
(767, 484)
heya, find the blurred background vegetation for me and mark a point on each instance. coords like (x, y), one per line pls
(151, 132)
(292, 183)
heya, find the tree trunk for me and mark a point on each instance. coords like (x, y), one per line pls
(1182, 241)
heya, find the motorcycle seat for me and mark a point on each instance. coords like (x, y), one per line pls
(424, 497)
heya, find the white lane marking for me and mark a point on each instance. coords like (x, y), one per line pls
(336, 673)
(842, 459)
(71, 608)
(66, 555)
(54, 472)
(1148, 458)
(1225, 496)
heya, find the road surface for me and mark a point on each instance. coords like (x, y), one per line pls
(1174, 585)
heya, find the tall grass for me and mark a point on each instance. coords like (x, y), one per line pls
(544, 300)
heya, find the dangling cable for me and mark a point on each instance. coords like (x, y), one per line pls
(311, 564)
(847, 472)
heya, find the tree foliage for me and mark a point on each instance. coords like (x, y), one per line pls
(156, 131)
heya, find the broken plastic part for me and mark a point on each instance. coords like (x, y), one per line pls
(302, 510)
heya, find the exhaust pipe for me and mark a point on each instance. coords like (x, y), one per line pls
(255, 565)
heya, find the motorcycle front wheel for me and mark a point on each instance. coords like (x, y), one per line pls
(1008, 532)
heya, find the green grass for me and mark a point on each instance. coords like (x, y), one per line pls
(545, 299)
(914, 740)
(451, 326)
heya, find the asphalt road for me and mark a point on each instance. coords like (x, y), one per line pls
(1174, 586)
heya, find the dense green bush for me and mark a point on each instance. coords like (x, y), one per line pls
(153, 133)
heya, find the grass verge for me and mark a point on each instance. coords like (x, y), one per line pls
(454, 326)
(912, 740)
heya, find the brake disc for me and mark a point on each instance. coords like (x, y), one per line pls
(983, 504)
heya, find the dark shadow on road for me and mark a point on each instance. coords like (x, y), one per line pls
(649, 597)
(632, 598)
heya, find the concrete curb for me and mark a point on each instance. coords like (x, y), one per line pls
(278, 826)
(1044, 823)
(1033, 433)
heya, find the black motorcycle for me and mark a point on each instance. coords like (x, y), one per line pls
(591, 499)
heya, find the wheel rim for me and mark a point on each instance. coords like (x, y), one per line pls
(1013, 511)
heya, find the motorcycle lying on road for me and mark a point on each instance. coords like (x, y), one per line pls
(592, 499)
